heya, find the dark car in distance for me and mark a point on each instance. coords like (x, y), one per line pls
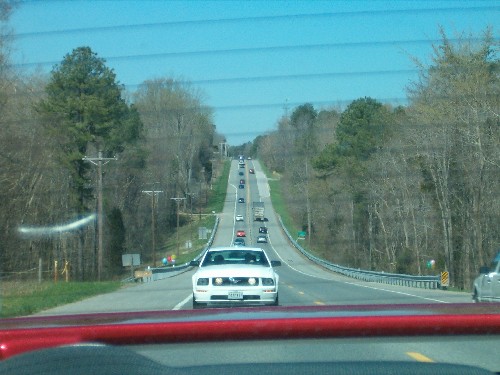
(238, 241)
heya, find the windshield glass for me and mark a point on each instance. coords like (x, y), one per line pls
(235, 257)
(347, 150)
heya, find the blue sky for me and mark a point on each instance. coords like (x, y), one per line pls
(252, 59)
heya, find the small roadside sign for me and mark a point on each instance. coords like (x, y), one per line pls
(445, 279)
(202, 233)
(131, 260)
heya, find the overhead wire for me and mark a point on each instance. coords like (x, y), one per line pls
(273, 48)
(257, 18)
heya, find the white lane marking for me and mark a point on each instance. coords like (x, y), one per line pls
(350, 283)
(394, 291)
(182, 303)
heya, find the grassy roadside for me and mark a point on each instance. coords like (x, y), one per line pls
(189, 232)
(279, 204)
(21, 298)
(219, 189)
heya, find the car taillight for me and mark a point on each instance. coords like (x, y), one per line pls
(202, 281)
(267, 281)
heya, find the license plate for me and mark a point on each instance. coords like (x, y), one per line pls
(235, 295)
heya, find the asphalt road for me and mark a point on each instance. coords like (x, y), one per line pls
(301, 283)
(465, 350)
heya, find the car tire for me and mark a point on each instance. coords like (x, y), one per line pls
(197, 305)
(475, 297)
(276, 301)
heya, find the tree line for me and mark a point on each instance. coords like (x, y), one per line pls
(162, 137)
(408, 189)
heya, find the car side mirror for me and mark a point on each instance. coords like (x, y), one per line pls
(275, 263)
(194, 263)
(484, 270)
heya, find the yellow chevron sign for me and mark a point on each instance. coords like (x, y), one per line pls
(445, 278)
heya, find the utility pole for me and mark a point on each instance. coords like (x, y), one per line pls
(191, 195)
(178, 200)
(285, 107)
(202, 176)
(99, 161)
(223, 149)
(153, 194)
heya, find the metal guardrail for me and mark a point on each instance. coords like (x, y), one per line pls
(159, 273)
(427, 282)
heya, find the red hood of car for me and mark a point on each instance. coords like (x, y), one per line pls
(18, 335)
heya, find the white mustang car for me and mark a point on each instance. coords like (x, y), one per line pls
(235, 275)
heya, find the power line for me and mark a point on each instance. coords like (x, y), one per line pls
(285, 17)
(275, 77)
(279, 77)
(262, 49)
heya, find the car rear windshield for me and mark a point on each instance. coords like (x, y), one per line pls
(235, 257)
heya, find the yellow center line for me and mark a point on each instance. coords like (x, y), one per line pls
(301, 293)
(419, 357)
(318, 303)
